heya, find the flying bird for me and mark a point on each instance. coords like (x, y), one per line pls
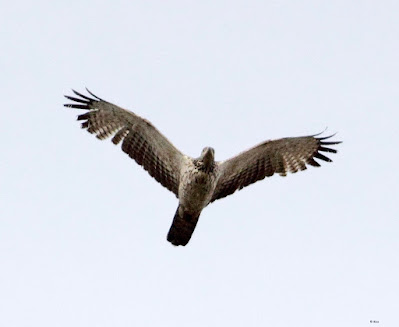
(196, 182)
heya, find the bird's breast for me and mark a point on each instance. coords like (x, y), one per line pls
(196, 188)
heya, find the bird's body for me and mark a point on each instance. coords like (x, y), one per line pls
(196, 186)
(196, 182)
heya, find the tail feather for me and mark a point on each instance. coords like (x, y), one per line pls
(182, 227)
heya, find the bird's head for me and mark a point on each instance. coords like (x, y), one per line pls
(208, 157)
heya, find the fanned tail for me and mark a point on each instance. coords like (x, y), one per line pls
(182, 227)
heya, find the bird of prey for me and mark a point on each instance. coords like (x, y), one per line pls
(196, 182)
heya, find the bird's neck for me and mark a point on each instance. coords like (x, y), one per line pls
(205, 165)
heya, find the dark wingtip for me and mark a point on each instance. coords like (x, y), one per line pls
(83, 101)
(326, 137)
(77, 106)
(77, 99)
(331, 143)
(322, 157)
(321, 139)
(322, 147)
(313, 162)
(82, 96)
(317, 134)
(95, 96)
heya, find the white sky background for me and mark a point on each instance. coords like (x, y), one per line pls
(83, 227)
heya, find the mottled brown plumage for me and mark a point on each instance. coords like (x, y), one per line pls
(200, 181)
(289, 154)
(140, 139)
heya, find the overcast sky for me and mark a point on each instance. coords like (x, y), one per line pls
(83, 227)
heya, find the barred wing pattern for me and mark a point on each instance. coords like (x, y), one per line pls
(140, 139)
(278, 156)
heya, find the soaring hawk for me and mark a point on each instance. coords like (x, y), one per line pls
(196, 182)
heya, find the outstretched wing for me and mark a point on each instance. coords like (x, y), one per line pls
(279, 156)
(140, 139)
